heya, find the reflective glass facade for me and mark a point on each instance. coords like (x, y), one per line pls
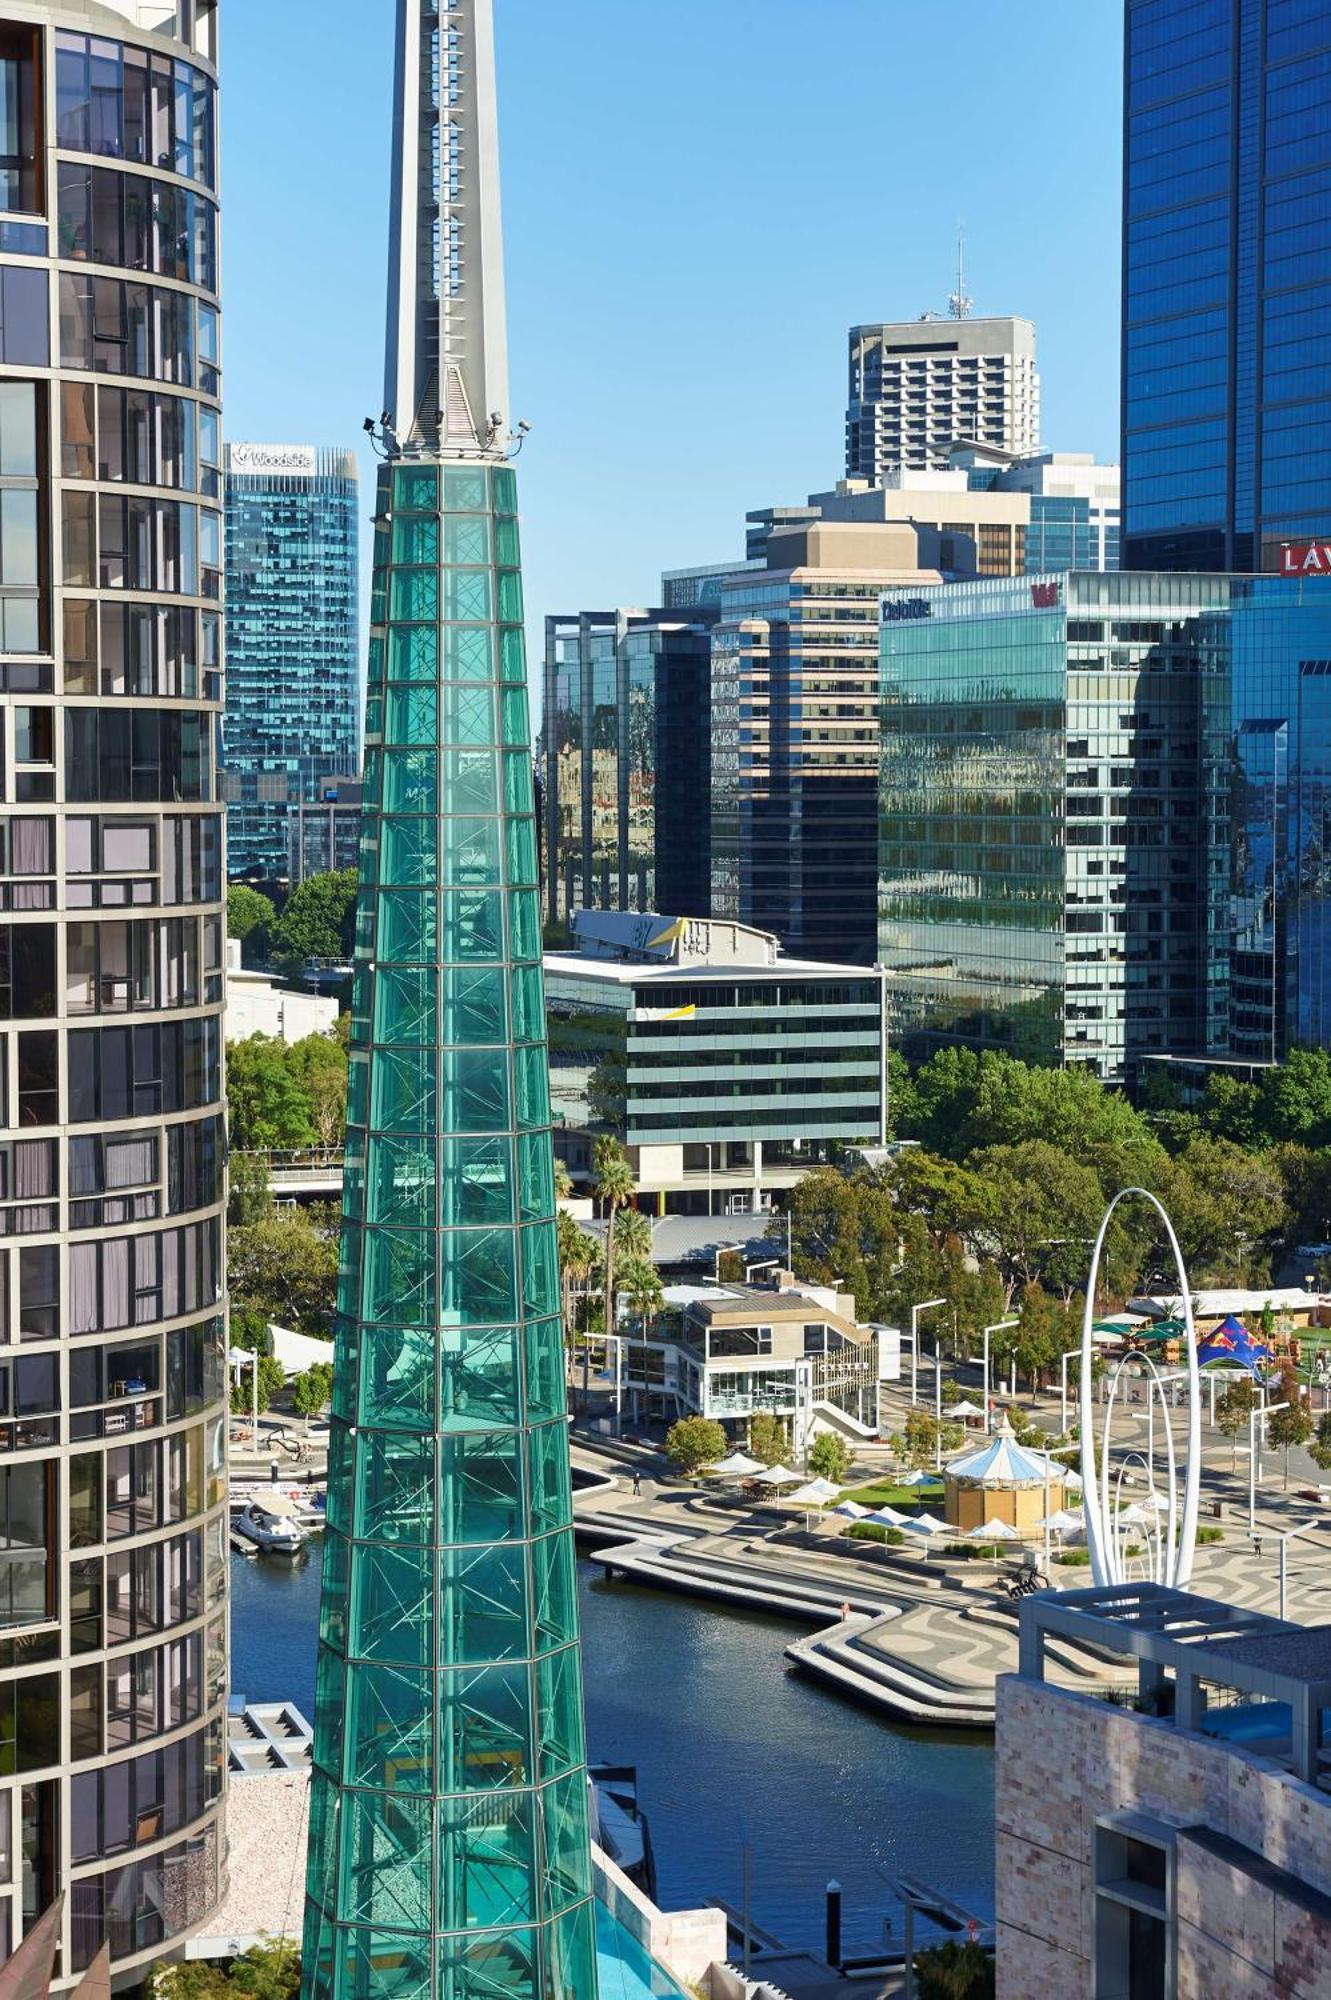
(449, 1847)
(293, 691)
(1104, 815)
(625, 763)
(1227, 281)
(113, 1378)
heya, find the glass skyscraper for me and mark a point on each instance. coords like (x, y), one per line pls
(1227, 281)
(449, 1848)
(113, 1374)
(1106, 810)
(292, 686)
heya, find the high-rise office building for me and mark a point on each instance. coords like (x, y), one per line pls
(1227, 307)
(449, 1848)
(113, 1378)
(626, 762)
(1075, 505)
(795, 733)
(918, 387)
(1103, 818)
(292, 643)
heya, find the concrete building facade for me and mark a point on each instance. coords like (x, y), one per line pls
(917, 387)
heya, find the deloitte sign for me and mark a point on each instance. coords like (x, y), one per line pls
(897, 610)
(296, 458)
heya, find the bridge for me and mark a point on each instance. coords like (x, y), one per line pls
(315, 1175)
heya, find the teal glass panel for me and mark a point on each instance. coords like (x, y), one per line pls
(480, 1487)
(465, 491)
(412, 716)
(358, 1083)
(522, 853)
(499, 1965)
(571, 1954)
(525, 924)
(408, 851)
(531, 1072)
(394, 1474)
(398, 1287)
(469, 652)
(374, 718)
(510, 596)
(513, 655)
(416, 540)
(559, 1724)
(392, 1606)
(480, 1381)
(505, 489)
(404, 1005)
(473, 1006)
(478, 1278)
(476, 1097)
(471, 781)
(536, 1178)
(378, 1965)
(471, 853)
(468, 595)
(540, 1270)
(375, 657)
(550, 1496)
(528, 1004)
(400, 1182)
(565, 1843)
(517, 781)
(413, 653)
(476, 1184)
(374, 780)
(544, 1366)
(407, 919)
(467, 538)
(333, 1593)
(483, 1604)
(389, 1741)
(472, 926)
(554, 1591)
(468, 714)
(403, 1095)
(397, 1377)
(411, 781)
(506, 544)
(415, 594)
(487, 1863)
(415, 488)
(517, 731)
(386, 1847)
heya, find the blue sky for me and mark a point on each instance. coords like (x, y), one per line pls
(700, 198)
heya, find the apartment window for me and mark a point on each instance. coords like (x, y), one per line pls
(19, 151)
(1135, 1920)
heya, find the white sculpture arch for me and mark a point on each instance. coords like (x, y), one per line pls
(1174, 1551)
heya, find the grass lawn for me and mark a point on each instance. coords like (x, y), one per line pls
(887, 1493)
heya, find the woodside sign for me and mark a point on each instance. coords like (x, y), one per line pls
(1305, 559)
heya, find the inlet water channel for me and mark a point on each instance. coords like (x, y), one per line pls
(728, 1743)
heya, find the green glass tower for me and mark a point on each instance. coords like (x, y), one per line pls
(449, 1849)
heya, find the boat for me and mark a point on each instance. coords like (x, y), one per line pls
(271, 1524)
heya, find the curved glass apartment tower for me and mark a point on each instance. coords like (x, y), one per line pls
(449, 1851)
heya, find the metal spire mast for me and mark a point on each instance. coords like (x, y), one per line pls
(446, 382)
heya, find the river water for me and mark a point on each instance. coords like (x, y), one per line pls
(728, 1744)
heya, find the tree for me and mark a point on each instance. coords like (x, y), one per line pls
(272, 1380)
(955, 1971)
(319, 920)
(1232, 1410)
(614, 1185)
(1320, 1448)
(313, 1391)
(1228, 1209)
(1048, 1328)
(633, 1236)
(1039, 1210)
(249, 1196)
(270, 1112)
(319, 1066)
(267, 1971)
(829, 1458)
(579, 1257)
(847, 1229)
(641, 1284)
(286, 1266)
(921, 1440)
(250, 918)
(767, 1437)
(694, 1442)
(1292, 1425)
(1294, 1100)
(563, 1180)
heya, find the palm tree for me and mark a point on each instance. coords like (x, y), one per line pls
(613, 1177)
(563, 1181)
(641, 1283)
(633, 1236)
(579, 1255)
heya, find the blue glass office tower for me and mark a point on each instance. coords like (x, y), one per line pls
(1227, 281)
(292, 694)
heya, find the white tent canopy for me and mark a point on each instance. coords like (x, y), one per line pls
(738, 1466)
(992, 1531)
(926, 1524)
(963, 1409)
(916, 1478)
(818, 1493)
(776, 1475)
(891, 1519)
(852, 1510)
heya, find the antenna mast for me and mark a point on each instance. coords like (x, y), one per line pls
(959, 306)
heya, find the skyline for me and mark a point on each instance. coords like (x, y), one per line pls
(624, 357)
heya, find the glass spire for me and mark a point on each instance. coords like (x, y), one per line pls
(449, 1849)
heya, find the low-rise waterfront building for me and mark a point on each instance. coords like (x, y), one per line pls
(725, 1069)
(258, 1004)
(1174, 1839)
(789, 1349)
(1102, 828)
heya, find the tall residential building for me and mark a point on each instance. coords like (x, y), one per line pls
(1226, 303)
(917, 387)
(1103, 818)
(795, 733)
(626, 762)
(449, 1848)
(113, 1379)
(292, 643)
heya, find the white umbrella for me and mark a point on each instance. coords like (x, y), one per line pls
(992, 1531)
(738, 1465)
(891, 1519)
(963, 1410)
(852, 1510)
(1072, 1480)
(926, 1524)
(916, 1478)
(1062, 1522)
(776, 1475)
(817, 1493)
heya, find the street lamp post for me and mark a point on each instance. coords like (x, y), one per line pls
(1064, 1359)
(938, 1406)
(926, 1305)
(1289, 1535)
(999, 1326)
(1256, 1431)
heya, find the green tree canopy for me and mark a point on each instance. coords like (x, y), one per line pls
(270, 1111)
(1042, 1208)
(694, 1442)
(267, 1971)
(1228, 1209)
(319, 920)
(249, 1197)
(829, 1457)
(767, 1438)
(286, 1267)
(250, 918)
(319, 1066)
(313, 1391)
(1292, 1425)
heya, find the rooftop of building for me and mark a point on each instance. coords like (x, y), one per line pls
(626, 948)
